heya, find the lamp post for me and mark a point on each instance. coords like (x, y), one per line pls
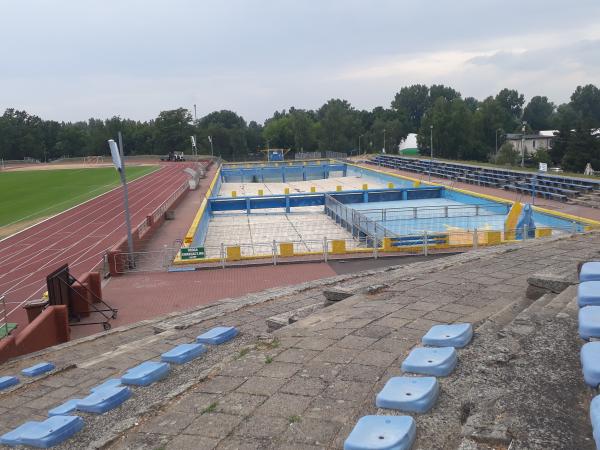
(212, 153)
(497, 129)
(359, 137)
(523, 144)
(384, 140)
(195, 116)
(431, 149)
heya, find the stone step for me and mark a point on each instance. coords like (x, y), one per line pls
(505, 316)
(561, 301)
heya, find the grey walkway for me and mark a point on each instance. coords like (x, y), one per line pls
(305, 385)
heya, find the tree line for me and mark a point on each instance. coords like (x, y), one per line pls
(459, 128)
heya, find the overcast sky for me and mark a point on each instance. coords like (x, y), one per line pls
(71, 60)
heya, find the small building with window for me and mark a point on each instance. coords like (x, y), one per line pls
(533, 142)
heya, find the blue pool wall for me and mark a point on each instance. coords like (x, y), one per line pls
(320, 169)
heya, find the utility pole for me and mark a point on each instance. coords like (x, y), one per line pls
(523, 144)
(359, 152)
(431, 149)
(497, 129)
(212, 153)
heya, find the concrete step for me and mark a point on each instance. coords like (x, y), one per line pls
(543, 331)
(560, 302)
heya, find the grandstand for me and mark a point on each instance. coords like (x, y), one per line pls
(553, 187)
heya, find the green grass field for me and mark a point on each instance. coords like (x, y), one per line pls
(27, 196)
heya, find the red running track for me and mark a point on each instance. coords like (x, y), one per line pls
(79, 236)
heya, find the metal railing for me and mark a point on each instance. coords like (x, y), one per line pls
(425, 212)
(148, 261)
(3, 317)
(360, 245)
(355, 222)
(307, 155)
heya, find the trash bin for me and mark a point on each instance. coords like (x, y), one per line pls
(34, 308)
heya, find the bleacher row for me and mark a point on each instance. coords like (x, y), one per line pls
(546, 186)
(588, 300)
(60, 425)
(411, 394)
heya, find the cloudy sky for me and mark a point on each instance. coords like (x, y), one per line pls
(75, 59)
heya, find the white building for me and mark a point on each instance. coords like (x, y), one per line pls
(533, 142)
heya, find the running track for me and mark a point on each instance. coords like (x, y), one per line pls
(79, 237)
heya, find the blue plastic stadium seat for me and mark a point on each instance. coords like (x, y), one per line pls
(67, 407)
(588, 294)
(217, 335)
(38, 369)
(8, 381)
(104, 400)
(183, 353)
(409, 394)
(146, 373)
(589, 322)
(48, 433)
(437, 362)
(590, 271)
(455, 335)
(110, 383)
(590, 361)
(382, 433)
(595, 416)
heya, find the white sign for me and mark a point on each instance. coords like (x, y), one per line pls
(114, 153)
(193, 141)
(543, 167)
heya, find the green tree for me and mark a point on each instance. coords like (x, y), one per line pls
(539, 113)
(582, 147)
(491, 120)
(173, 129)
(585, 101)
(507, 155)
(542, 156)
(228, 132)
(338, 125)
(278, 132)
(512, 102)
(453, 131)
(412, 101)
(254, 137)
(472, 103)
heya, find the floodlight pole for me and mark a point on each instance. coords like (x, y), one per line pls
(431, 149)
(125, 198)
(523, 144)
(212, 152)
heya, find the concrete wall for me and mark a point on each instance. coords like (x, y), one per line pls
(532, 145)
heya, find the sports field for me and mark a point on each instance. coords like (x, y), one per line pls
(27, 196)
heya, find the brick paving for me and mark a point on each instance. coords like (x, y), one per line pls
(147, 295)
(305, 386)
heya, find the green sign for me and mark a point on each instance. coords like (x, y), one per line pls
(192, 252)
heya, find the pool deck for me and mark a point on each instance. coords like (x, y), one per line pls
(349, 183)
